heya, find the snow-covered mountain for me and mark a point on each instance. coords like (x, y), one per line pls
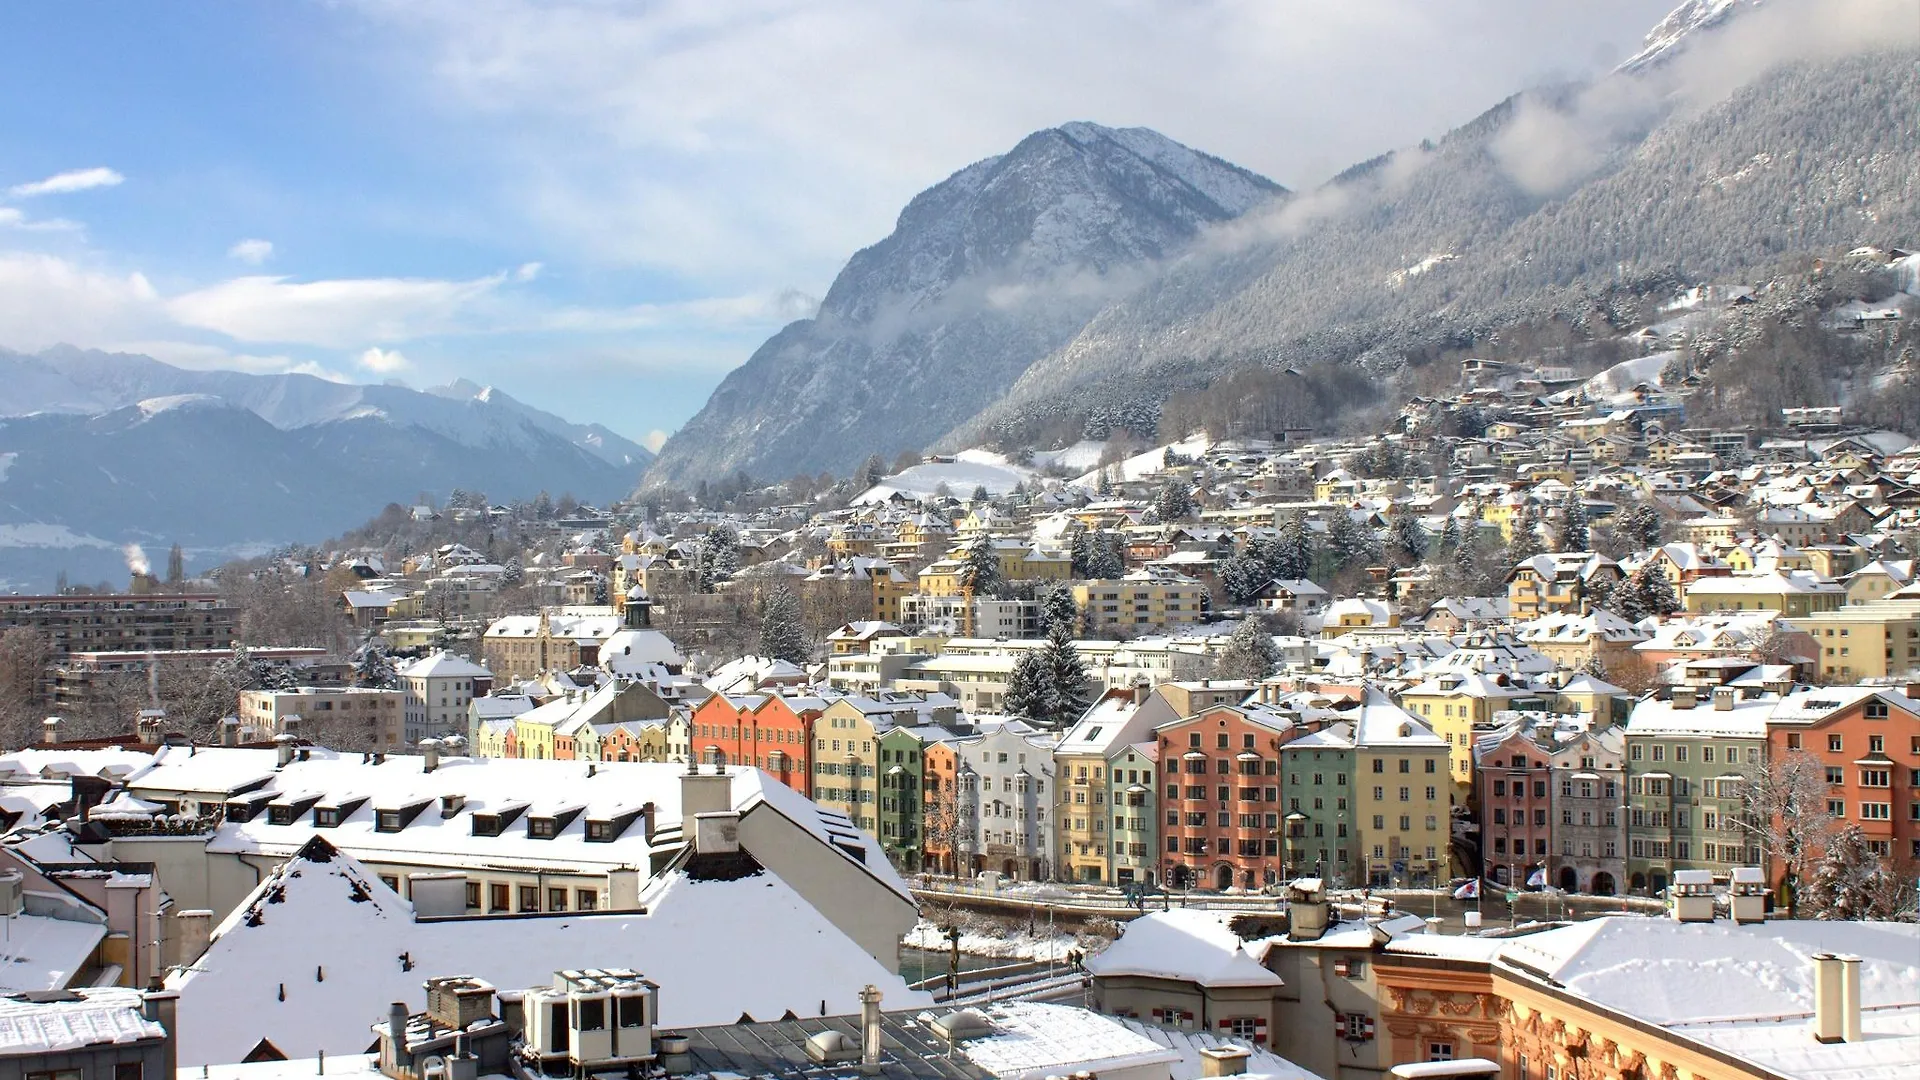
(984, 273)
(100, 450)
(1084, 279)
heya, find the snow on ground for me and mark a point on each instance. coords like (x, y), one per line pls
(1141, 466)
(1399, 277)
(36, 534)
(1079, 457)
(1000, 946)
(157, 405)
(1615, 385)
(968, 470)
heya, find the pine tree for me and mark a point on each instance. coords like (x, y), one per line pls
(873, 471)
(372, 667)
(1056, 609)
(1250, 653)
(1293, 550)
(1573, 534)
(1523, 541)
(1080, 550)
(1641, 525)
(718, 556)
(1030, 690)
(1243, 578)
(1350, 542)
(1842, 886)
(1656, 591)
(1104, 560)
(1071, 689)
(979, 494)
(980, 573)
(1450, 535)
(782, 635)
(1410, 540)
(512, 574)
(1175, 501)
(601, 595)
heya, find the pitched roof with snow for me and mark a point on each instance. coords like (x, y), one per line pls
(275, 968)
(1187, 944)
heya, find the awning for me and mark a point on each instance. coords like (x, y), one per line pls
(1586, 776)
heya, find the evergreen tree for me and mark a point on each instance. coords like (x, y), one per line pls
(873, 471)
(601, 595)
(1293, 550)
(1030, 691)
(1350, 542)
(1175, 501)
(1104, 559)
(1080, 550)
(1450, 535)
(372, 667)
(1573, 534)
(782, 634)
(1072, 690)
(1523, 537)
(1250, 653)
(512, 574)
(176, 565)
(1647, 592)
(1641, 525)
(1410, 540)
(1057, 609)
(1243, 578)
(1843, 882)
(1105, 486)
(718, 556)
(980, 572)
(979, 493)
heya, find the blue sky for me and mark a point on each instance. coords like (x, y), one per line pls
(601, 207)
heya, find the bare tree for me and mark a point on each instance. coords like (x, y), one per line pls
(1784, 808)
(24, 655)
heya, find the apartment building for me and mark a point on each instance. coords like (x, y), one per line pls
(1008, 803)
(1512, 788)
(1687, 763)
(1866, 641)
(1558, 582)
(1139, 601)
(1134, 842)
(1221, 781)
(1322, 840)
(1456, 706)
(440, 688)
(373, 717)
(122, 622)
(1119, 718)
(1401, 802)
(1589, 844)
(1867, 740)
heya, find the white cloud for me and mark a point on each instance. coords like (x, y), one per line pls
(68, 182)
(528, 271)
(341, 313)
(45, 300)
(765, 139)
(773, 308)
(654, 440)
(253, 252)
(383, 361)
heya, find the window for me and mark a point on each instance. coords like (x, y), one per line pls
(586, 899)
(1875, 777)
(1243, 1027)
(473, 895)
(1876, 811)
(556, 899)
(1836, 808)
(1833, 744)
(529, 898)
(126, 1070)
(57, 1074)
(1836, 776)
(1439, 1051)
(499, 897)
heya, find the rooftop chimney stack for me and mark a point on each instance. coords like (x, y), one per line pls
(1723, 698)
(1850, 998)
(1685, 697)
(430, 754)
(283, 751)
(1826, 999)
(870, 1029)
(1224, 1061)
(50, 731)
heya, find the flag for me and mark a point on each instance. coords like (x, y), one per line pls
(1537, 879)
(1469, 891)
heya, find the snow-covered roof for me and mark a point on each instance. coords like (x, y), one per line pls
(100, 1016)
(1747, 990)
(444, 665)
(1188, 1044)
(275, 967)
(41, 952)
(1188, 944)
(1032, 1040)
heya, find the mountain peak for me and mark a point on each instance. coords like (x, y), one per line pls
(1027, 244)
(1670, 37)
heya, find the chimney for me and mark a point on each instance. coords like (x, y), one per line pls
(283, 751)
(1685, 697)
(1723, 698)
(1827, 1004)
(1850, 998)
(230, 731)
(50, 731)
(192, 930)
(623, 889)
(1224, 1060)
(161, 1006)
(430, 753)
(870, 1029)
(704, 793)
(716, 833)
(394, 1041)
(464, 1064)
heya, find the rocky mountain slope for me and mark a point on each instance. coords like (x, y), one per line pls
(984, 273)
(1743, 132)
(100, 450)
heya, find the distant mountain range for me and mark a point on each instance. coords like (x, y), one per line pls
(1079, 281)
(99, 450)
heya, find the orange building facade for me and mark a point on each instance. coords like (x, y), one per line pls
(1868, 746)
(764, 731)
(1220, 776)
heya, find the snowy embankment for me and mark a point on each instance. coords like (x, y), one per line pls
(968, 470)
(1012, 944)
